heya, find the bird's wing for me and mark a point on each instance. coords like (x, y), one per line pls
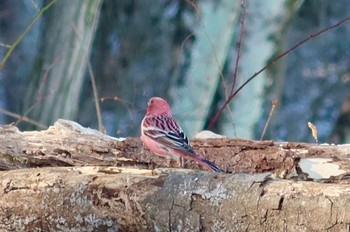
(165, 130)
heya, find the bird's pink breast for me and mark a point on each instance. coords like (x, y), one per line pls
(158, 148)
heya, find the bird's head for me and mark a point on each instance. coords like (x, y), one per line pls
(158, 106)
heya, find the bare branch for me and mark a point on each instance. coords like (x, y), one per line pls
(20, 37)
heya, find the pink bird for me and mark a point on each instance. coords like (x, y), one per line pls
(161, 133)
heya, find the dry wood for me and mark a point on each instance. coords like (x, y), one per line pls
(67, 143)
(118, 199)
(118, 190)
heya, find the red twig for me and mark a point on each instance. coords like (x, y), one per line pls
(215, 118)
(240, 45)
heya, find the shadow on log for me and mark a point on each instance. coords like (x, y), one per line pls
(106, 184)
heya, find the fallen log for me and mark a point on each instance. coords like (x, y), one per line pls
(125, 199)
(71, 178)
(67, 143)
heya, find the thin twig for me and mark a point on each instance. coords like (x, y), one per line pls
(94, 88)
(313, 129)
(124, 102)
(39, 98)
(239, 50)
(23, 118)
(273, 107)
(5, 45)
(198, 12)
(35, 5)
(312, 36)
(20, 37)
(27, 112)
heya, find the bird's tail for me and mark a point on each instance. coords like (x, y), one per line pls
(209, 165)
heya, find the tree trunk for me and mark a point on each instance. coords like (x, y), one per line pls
(264, 26)
(118, 190)
(212, 42)
(68, 35)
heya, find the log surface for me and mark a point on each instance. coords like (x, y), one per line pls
(67, 143)
(71, 178)
(118, 199)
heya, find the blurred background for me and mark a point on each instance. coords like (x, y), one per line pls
(55, 53)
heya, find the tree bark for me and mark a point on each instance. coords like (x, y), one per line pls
(117, 199)
(67, 143)
(118, 190)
